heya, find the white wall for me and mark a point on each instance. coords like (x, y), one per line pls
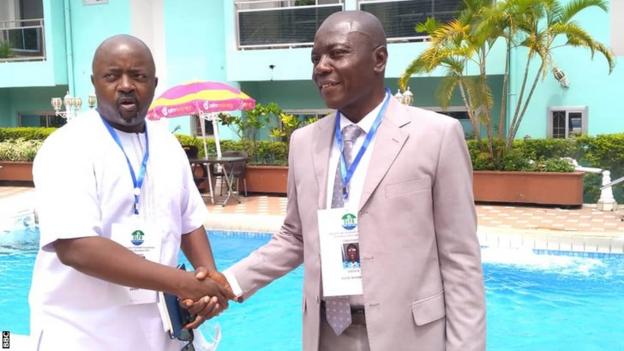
(147, 23)
(617, 27)
(9, 10)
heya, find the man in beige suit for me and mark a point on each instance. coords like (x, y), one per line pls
(412, 192)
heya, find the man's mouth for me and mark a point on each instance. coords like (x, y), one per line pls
(326, 85)
(127, 104)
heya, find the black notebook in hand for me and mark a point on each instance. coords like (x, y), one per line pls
(174, 316)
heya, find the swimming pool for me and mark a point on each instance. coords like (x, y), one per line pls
(536, 300)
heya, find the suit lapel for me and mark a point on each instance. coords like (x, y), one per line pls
(322, 143)
(388, 143)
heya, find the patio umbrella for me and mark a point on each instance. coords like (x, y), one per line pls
(201, 98)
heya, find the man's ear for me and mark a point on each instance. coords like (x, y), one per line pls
(155, 82)
(92, 82)
(381, 58)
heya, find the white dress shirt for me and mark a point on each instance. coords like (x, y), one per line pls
(357, 180)
(356, 184)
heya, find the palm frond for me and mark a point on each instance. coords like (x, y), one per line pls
(575, 6)
(576, 35)
(429, 26)
(446, 89)
(415, 67)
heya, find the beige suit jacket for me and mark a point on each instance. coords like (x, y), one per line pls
(420, 258)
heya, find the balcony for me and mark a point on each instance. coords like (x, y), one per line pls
(273, 38)
(268, 24)
(22, 40)
(400, 17)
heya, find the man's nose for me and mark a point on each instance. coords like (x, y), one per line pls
(322, 66)
(126, 84)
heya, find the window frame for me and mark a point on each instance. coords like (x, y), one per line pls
(567, 109)
(47, 115)
(456, 108)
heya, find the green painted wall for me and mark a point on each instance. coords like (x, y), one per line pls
(34, 100)
(4, 105)
(55, 34)
(91, 24)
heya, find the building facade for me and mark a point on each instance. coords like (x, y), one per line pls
(263, 47)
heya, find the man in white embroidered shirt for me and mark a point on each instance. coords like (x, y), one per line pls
(116, 201)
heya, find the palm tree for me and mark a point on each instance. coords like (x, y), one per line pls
(454, 45)
(542, 23)
(531, 24)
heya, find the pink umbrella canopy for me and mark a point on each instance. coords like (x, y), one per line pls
(198, 98)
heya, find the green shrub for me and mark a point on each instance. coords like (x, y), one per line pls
(515, 160)
(541, 149)
(555, 165)
(272, 152)
(19, 149)
(26, 133)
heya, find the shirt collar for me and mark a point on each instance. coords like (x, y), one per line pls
(365, 123)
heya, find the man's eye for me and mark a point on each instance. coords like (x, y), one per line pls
(337, 53)
(109, 76)
(315, 59)
(141, 76)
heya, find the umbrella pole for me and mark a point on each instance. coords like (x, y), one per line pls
(215, 128)
(202, 124)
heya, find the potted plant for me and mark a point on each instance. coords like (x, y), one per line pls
(16, 156)
(267, 170)
(528, 27)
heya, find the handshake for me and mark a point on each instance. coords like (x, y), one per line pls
(204, 294)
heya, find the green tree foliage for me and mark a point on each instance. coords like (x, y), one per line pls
(534, 27)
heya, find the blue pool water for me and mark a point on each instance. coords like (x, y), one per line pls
(535, 300)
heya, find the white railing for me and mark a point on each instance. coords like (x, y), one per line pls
(400, 17)
(22, 40)
(267, 24)
(606, 202)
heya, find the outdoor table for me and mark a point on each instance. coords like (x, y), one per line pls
(222, 162)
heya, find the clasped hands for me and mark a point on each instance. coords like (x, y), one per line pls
(204, 294)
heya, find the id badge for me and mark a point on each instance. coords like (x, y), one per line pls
(143, 240)
(340, 252)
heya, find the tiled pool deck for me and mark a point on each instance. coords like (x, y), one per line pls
(586, 229)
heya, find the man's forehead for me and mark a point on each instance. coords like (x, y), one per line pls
(344, 27)
(123, 53)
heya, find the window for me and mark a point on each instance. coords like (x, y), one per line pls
(281, 23)
(21, 30)
(457, 112)
(565, 122)
(44, 119)
(400, 17)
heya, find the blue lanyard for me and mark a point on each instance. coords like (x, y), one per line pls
(345, 173)
(136, 182)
